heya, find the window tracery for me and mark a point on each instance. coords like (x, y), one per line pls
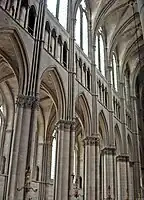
(59, 8)
(81, 29)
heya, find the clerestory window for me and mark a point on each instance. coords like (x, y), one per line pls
(100, 52)
(31, 20)
(114, 76)
(81, 29)
(127, 84)
(59, 8)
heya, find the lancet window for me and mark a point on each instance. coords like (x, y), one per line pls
(114, 76)
(127, 84)
(100, 52)
(81, 29)
(59, 8)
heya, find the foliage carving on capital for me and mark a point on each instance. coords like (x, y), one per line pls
(92, 141)
(65, 124)
(25, 101)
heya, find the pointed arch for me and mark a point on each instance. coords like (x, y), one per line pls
(57, 93)
(65, 54)
(16, 55)
(23, 11)
(81, 28)
(118, 140)
(103, 128)
(78, 3)
(47, 35)
(53, 42)
(130, 147)
(83, 112)
(31, 20)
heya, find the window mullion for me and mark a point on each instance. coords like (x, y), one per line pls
(57, 9)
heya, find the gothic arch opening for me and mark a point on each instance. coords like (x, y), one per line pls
(31, 20)
(52, 108)
(103, 129)
(23, 12)
(82, 128)
(103, 132)
(9, 88)
(139, 90)
(118, 140)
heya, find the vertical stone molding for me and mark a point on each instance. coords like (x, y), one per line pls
(62, 173)
(43, 192)
(27, 102)
(91, 144)
(140, 4)
(108, 171)
(123, 113)
(21, 146)
(131, 179)
(136, 140)
(122, 176)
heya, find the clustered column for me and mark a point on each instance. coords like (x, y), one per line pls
(122, 177)
(92, 159)
(18, 166)
(63, 163)
(108, 171)
(136, 139)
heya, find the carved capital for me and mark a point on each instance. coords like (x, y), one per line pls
(92, 141)
(123, 158)
(25, 101)
(110, 150)
(65, 124)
